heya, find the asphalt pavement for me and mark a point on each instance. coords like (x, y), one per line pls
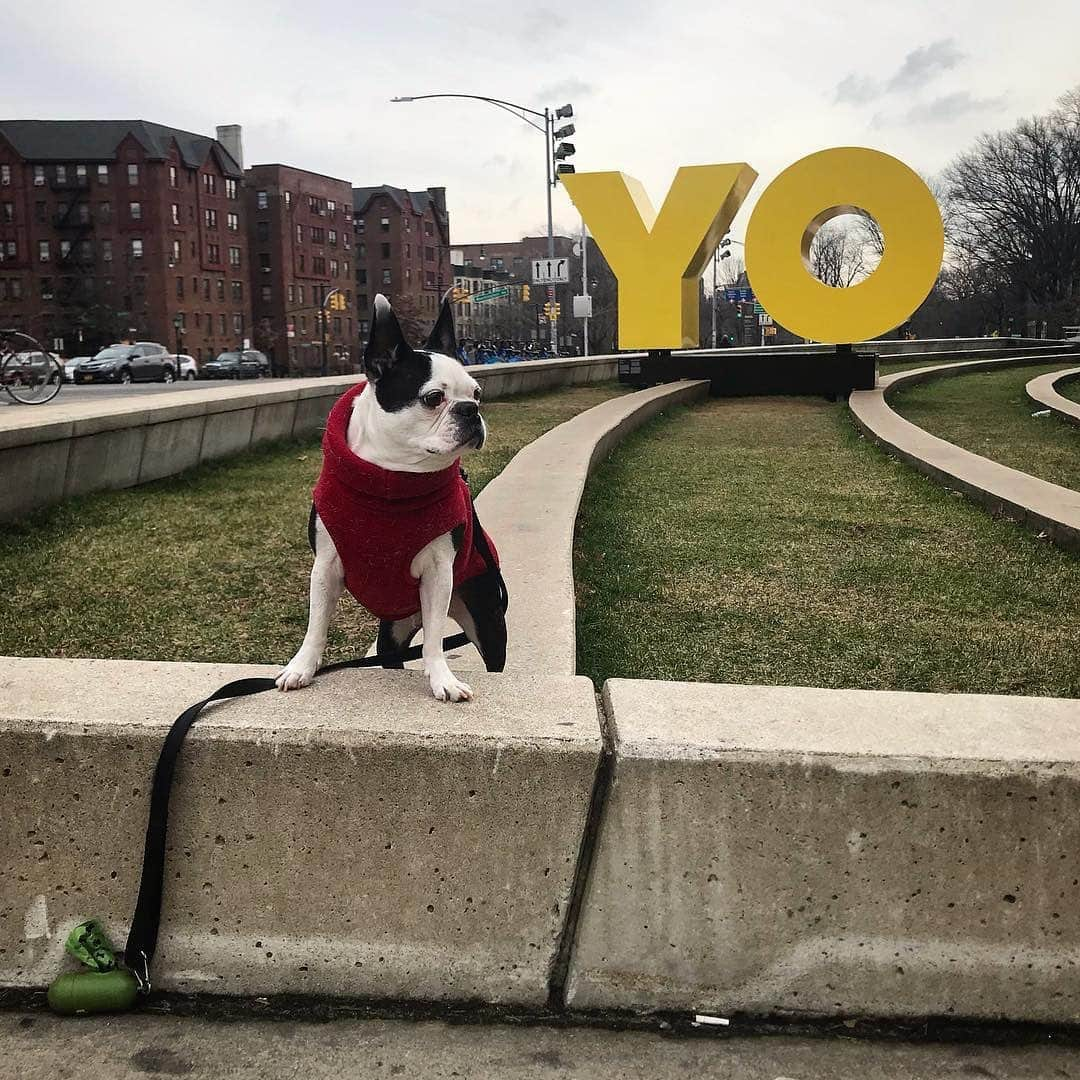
(39, 1046)
(103, 391)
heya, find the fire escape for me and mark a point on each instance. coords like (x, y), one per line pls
(74, 223)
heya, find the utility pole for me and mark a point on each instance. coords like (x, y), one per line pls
(715, 255)
(585, 285)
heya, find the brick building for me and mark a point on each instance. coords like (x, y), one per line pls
(301, 238)
(514, 258)
(403, 252)
(118, 227)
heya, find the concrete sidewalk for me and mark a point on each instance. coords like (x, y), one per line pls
(39, 1046)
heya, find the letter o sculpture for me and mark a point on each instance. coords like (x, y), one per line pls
(809, 193)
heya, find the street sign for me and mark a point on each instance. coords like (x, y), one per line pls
(758, 309)
(770, 331)
(492, 294)
(764, 320)
(734, 295)
(553, 271)
(582, 307)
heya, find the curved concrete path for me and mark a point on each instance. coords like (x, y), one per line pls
(1043, 391)
(1034, 503)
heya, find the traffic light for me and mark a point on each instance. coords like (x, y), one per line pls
(547, 310)
(525, 294)
(460, 294)
(564, 150)
(552, 310)
(336, 301)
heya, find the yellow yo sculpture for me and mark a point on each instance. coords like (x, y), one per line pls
(844, 180)
(658, 258)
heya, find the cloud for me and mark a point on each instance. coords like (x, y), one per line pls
(918, 68)
(566, 90)
(942, 110)
(856, 90)
(921, 65)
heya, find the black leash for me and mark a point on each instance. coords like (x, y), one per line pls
(143, 935)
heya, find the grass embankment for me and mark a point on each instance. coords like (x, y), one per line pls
(988, 413)
(211, 565)
(765, 541)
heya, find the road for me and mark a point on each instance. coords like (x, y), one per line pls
(102, 391)
(38, 1046)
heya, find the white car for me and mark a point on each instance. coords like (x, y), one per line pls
(188, 368)
(72, 365)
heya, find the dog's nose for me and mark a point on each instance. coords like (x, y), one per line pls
(466, 409)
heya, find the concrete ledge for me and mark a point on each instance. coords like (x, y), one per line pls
(1043, 391)
(537, 549)
(357, 838)
(1034, 503)
(74, 447)
(778, 850)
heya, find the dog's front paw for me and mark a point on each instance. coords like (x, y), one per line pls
(447, 687)
(295, 676)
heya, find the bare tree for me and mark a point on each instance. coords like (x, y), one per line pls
(838, 254)
(1015, 201)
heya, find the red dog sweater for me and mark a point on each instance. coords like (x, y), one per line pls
(380, 519)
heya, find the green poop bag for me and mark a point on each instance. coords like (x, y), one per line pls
(103, 987)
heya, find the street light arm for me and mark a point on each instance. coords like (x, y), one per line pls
(507, 106)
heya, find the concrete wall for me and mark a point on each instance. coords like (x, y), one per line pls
(764, 850)
(784, 850)
(75, 447)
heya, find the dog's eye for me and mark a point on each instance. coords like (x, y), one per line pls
(433, 399)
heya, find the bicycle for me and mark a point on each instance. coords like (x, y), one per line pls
(30, 374)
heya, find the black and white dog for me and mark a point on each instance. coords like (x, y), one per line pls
(391, 518)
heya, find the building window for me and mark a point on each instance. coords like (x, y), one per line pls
(264, 262)
(408, 275)
(384, 224)
(46, 288)
(61, 174)
(210, 183)
(237, 323)
(9, 211)
(238, 291)
(213, 253)
(361, 251)
(105, 211)
(385, 252)
(135, 210)
(234, 256)
(194, 286)
(173, 178)
(429, 254)
(230, 189)
(332, 236)
(408, 224)
(80, 174)
(136, 248)
(361, 276)
(428, 231)
(43, 251)
(337, 325)
(179, 288)
(363, 328)
(86, 251)
(303, 324)
(299, 234)
(103, 174)
(301, 262)
(232, 222)
(262, 200)
(331, 206)
(300, 294)
(430, 277)
(408, 251)
(39, 176)
(346, 267)
(360, 225)
(262, 231)
(5, 175)
(220, 289)
(333, 268)
(133, 175)
(39, 212)
(291, 293)
(211, 218)
(221, 322)
(106, 250)
(386, 277)
(15, 289)
(288, 200)
(175, 209)
(264, 294)
(318, 235)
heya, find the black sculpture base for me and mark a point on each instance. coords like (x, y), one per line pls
(831, 371)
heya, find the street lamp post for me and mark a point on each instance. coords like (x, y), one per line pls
(178, 326)
(523, 112)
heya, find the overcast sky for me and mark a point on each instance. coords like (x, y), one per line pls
(654, 85)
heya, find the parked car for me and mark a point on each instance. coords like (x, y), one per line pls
(188, 368)
(72, 365)
(145, 361)
(246, 364)
(30, 367)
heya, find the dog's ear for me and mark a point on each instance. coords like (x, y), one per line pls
(386, 344)
(442, 338)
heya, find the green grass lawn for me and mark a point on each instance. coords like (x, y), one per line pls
(988, 413)
(765, 541)
(211, 565)
(1070, 388)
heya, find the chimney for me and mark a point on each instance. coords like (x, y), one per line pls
(229, 135)
(438, 196)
